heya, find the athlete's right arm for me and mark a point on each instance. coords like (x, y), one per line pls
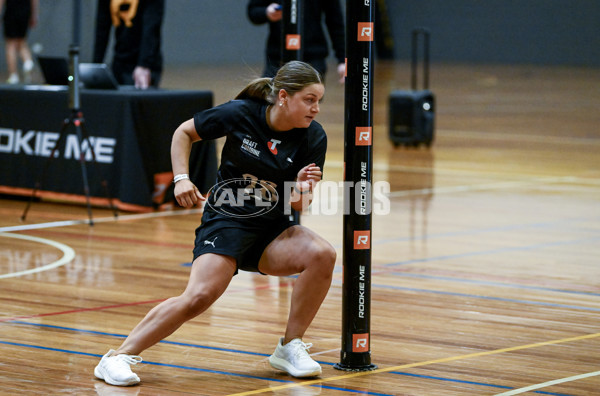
(186, 193)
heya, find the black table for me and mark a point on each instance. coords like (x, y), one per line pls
(130, 131)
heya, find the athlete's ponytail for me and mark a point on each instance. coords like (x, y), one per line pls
(292, 77)
(259, 88)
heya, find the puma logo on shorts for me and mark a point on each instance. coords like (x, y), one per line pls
(207, 242)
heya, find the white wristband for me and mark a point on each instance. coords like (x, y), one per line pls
(302, 192)
(181, 176)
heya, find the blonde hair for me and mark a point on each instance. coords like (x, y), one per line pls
(292, 77)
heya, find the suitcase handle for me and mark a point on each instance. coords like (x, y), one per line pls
(415, 40)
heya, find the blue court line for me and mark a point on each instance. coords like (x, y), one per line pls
(228, 373)
(513, 300)
(484, 230)
(490, 283)
(124, 336)
(233, 351)
(494, 251)
(471, 383)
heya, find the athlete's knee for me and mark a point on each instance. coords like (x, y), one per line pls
(196, 302)
(323, 257)
(329, 254)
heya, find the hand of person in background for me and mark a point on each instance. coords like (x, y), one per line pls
(274, 12)
(341, 69)
(141, 77)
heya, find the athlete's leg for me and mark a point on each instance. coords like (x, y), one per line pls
(300, 250)
(209, 277)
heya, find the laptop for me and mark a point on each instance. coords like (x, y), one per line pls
(97, 76)
(54, 69)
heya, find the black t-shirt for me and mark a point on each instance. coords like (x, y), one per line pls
(256, 161)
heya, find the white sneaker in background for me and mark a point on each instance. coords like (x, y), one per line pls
(13, 79)
(27, 71)
(28, 66)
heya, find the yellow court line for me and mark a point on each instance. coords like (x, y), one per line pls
(417, 364)
(549, 383)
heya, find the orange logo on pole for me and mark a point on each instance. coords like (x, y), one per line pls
(365, 31)
(362, 240)
(363, 136)
(360, 342)
(292, 42)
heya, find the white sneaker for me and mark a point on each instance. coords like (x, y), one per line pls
(116, 370)
(13, 79)
(293, 358)
(27, 71)
(28, 66)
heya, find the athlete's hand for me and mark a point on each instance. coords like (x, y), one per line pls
(187, 194)
(309, 176)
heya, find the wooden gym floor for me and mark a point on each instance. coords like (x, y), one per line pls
(486, 271)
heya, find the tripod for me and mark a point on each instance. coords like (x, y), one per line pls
(75, 120)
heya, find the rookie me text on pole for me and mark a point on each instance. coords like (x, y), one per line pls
(365, 85)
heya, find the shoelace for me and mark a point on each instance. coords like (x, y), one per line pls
(302, 350)
(129, 359)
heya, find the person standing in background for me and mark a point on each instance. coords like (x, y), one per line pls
(315, 45)
(137, 56)
(18, 17)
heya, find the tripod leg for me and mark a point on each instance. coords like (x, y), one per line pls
(86, 185)
(42, 177)
(31, 198)
(91, 148)
(76, 119)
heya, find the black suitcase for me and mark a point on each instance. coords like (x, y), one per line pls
(412, 113)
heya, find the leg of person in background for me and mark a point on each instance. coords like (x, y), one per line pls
(271, 67)
(320, 64)
(27, 59)
(11, 46)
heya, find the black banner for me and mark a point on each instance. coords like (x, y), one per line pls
(358, 158)
(130, 132)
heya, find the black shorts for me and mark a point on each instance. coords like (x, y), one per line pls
(16, 19)
(243, 240)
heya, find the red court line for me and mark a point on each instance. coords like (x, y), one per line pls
(127, 304)
(80, 310)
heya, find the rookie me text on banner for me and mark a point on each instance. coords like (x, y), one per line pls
(41, 143)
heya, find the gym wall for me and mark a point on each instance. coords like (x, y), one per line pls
(547, 32)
